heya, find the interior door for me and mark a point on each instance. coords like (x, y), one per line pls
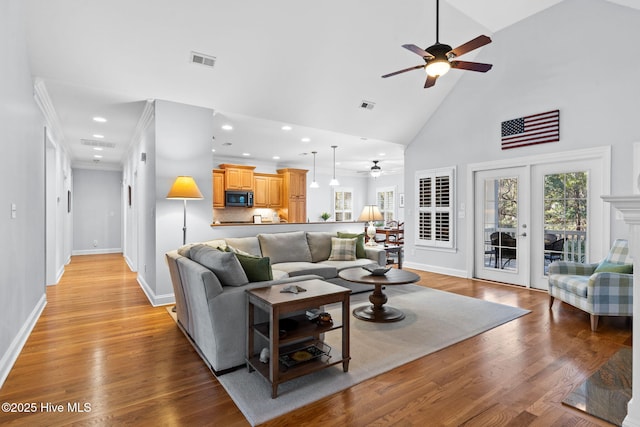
(501, 221)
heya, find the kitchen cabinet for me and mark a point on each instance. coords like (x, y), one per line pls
(267, 191)
(238, 177)
(218, 188)
(294, 194)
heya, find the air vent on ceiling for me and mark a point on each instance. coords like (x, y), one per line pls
(94, 143)
(367, 105)
(202, 59)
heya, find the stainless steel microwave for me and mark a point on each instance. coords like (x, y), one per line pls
(238, 198)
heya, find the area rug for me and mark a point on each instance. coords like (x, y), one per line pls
(434, 320)
(605, 394)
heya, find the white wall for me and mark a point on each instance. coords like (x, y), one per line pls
(552, 60)
(22, 257)
(97, 211)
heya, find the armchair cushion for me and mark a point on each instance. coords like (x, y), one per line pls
(614, 268)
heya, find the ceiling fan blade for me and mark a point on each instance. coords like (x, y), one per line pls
(418, 51)
(471, 45)
(431, 80)
(403, 71)
(471, 66)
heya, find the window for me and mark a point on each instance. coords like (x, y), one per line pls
(386, 198)
(435, 202)
(343, 204)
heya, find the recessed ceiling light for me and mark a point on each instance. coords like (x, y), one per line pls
(286, 127)
(382, 154)
(276, 157)
(98, 148)
(227, 127)
(213, 150)
(97, 156)
(95, 135)
(305, 139)
(99, 119)
(246, 154)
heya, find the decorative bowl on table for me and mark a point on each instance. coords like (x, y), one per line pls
(376, 270)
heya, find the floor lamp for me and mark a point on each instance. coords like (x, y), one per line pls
(184, 188)
(371, 213)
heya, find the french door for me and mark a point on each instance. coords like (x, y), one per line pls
(526, 217)
(501, 224)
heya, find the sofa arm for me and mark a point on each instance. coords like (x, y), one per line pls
(570, 267)
(377, 255)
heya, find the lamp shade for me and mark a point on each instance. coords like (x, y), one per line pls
(185, 187)
(371, 213)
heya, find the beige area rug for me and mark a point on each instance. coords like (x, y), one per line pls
(605, 394)
(434, 320)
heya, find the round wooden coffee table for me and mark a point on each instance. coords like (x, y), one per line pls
(378, 311)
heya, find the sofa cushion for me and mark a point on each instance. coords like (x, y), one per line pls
(609, 267)
(341, 265)
(248, 245)
(319, 244)
(224, 265)
(343, 249)
(360, 253)
(285, 247)
(302, 268)
(257, 269)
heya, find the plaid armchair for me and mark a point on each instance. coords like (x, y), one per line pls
(600, 289)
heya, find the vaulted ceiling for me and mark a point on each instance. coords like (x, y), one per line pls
(309, 65)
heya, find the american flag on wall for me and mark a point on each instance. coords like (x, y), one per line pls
(531, 130)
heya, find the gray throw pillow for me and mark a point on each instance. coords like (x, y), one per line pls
(285, 247)
(224, 265)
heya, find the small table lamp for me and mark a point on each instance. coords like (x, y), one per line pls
(185, 188)
(371, 213)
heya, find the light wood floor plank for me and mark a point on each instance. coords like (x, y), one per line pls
(100, 342)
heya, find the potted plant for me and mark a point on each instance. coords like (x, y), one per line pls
(325, 216)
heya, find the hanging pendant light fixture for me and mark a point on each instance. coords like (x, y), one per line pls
(314, 184)
(334, 182)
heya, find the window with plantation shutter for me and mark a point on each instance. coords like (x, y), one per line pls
(386, 202)
(434, 209)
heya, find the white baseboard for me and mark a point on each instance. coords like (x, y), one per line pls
(436, 269)
(97, 251)
(11, 355)
(130, 264)
(155, 300)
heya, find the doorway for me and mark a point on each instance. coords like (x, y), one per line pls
(539, 210)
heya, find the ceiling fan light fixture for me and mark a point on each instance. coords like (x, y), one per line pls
(376, 170)
(438, 67)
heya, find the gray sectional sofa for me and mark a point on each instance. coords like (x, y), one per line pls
(209, 281)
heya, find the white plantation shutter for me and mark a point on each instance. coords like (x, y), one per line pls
(435, 207)
(386, 202)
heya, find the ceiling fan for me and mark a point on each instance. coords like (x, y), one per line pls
(439, 58)
(375, 171)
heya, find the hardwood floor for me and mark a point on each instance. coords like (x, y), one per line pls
(99, 342)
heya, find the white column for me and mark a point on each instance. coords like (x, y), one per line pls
(630, 208)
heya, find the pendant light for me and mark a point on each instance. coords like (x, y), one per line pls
(334, 182)
(314, 184)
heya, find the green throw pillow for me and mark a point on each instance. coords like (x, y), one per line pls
(608, 267)
(360, 252)
(256, 268)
